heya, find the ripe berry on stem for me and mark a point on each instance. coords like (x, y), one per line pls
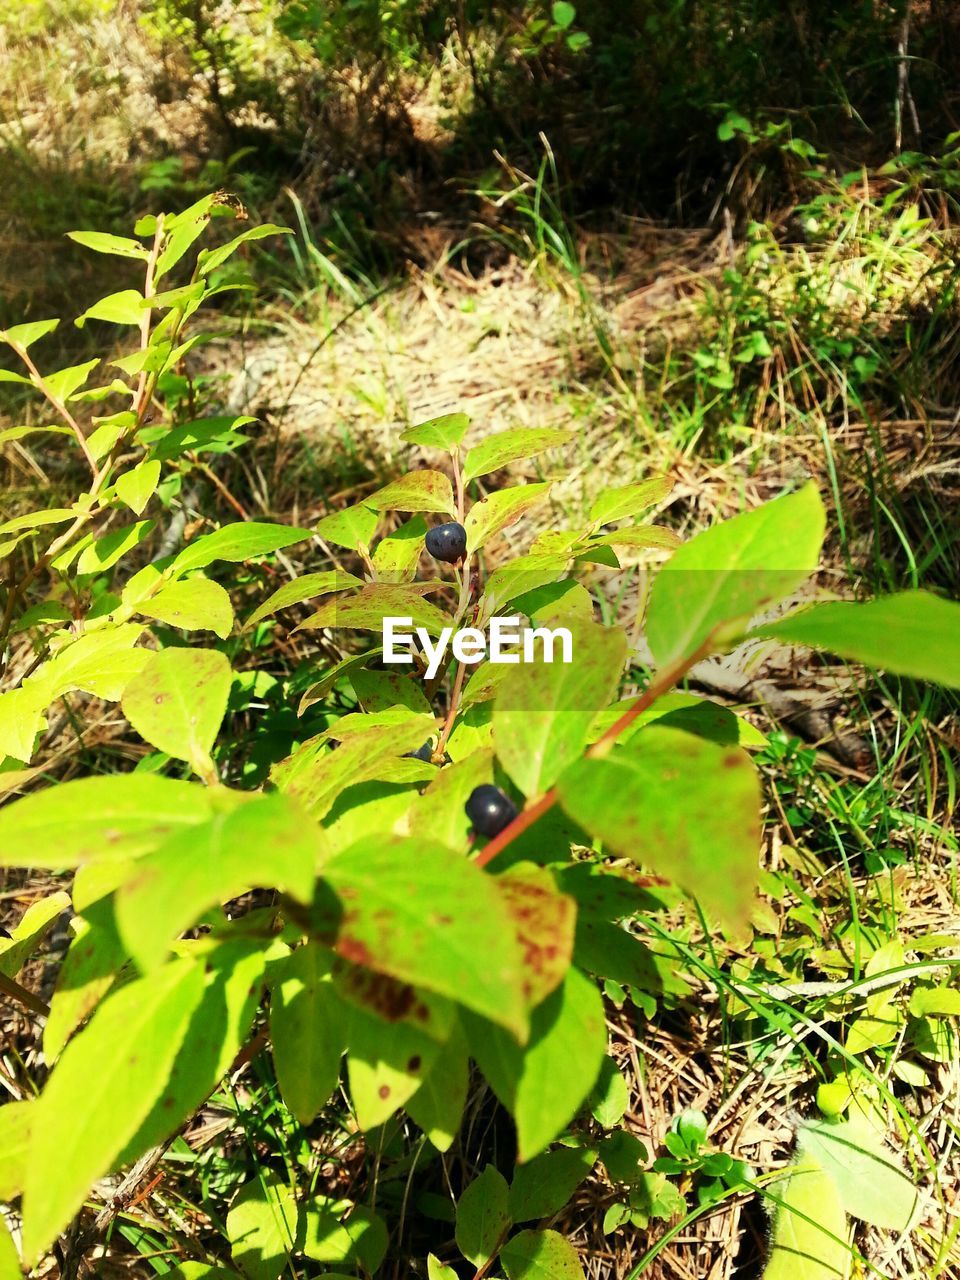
(489, 810)
(424, 753)
(447, 542)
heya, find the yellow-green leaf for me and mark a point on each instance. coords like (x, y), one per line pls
(498, 511)
(102, 1087)
(507, 446)
(178, 701)
(193, 604)
(417, 491)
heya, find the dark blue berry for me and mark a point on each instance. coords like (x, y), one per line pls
(424, 753)
(489, 810)
(447, 542)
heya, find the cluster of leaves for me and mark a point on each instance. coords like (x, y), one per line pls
(392, 935)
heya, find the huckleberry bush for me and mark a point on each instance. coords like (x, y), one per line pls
(446, 856)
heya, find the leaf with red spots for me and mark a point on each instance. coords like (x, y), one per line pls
(418, 912)
(545, 921)
(386, 1064)
(680, 805)
(178, 701)
(438, 1104)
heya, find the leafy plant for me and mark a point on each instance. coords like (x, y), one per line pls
(405, 925)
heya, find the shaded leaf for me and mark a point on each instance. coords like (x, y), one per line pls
(540, 1255)
(483, 1216)
(437, 1106)
(308, 1034)
(545, 1184)
(867, 1174)
(544, 1085)
(262, 1226)
(810, 1232)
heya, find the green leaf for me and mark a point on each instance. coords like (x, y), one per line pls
(732, 571)
(872, 1185)
(563, 13)
(437, 1106)
(366, 610)
(436, 1270)
(307, 587)
(218, 1028)
(386, 1064)
(8, 375)
(98, 662)
(32, 927)
(353, 527)
(25, 335)
(9, 1258)
(417, 491)
(15, 1121)
(483, 1216)
(106, 551)
(519, 576)
(445, 432)
(379, 691)
(236, 542)
(397, 556)
(543, 711)
(415, 911)
(101, 819)
(98, 1093)
(137, 486)
(646, 537)
(438, 814)
(544, 1185)
(316, 776)
(178, 701)
(618, 504)
(540, 1255)
(210, 259)
(507, 446)
(262, 1227)
(306, 1028)
(679, 805)
(611, 1097)
(125, 307)
(938, 1002)
(545, 1084)
(118, 246)
(913, 634)
(87, 973)
(499, 510)
(267, 841)
(36, 519)
(340, 1231)
(193, 604)
(810, 1232)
